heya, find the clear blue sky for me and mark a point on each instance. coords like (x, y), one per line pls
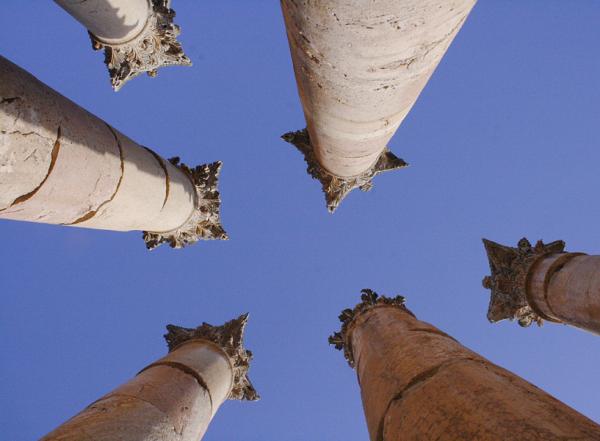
(502, 143)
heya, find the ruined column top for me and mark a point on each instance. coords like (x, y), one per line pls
(369, 300)
(229, 337)
(509, 269)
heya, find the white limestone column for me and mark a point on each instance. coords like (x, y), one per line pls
(59, 164)
(137, 35)
(174, 398)
(360, 66)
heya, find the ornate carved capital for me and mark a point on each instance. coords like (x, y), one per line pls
(509, 268)
(336, 188)
(156, 46)
(369, 300)
(230, 338)
(205, 222)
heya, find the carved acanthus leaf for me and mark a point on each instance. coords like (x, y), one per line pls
(205, 222)
(230, 337)
(156, 46)
(369, 300)
(336, 188)
(509, 267)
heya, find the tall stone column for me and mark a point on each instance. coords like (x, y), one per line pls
(360, 66)
(418, 383)
(174, 398)
(61, 165)
(137, 35)
(543, 282)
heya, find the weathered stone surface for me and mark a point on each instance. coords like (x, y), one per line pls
(360, 67)
(62, 165)
(117, 418)
(174, 398)
(418, 383)
(44, 138)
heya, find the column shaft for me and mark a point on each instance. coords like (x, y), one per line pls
(59, 164)
(417, 383)
(566, 288)
(112, 21)
(360, 67)
(543, 282)
(174, 398)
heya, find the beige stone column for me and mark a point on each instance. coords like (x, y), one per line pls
(137, 35)
(360, 66)
(418, 383)
(61, 165)
(174, 398)
(543, 282)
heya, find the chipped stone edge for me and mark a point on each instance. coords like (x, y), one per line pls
(228, 337)
(156, 46)
(509, 268)
(205, 222)
(369, 300)
(336, 188)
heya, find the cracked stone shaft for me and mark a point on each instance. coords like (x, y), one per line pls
(419, 384)
(173, 399)
(360, 66)
(61, 165)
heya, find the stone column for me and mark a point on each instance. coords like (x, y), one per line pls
(360, 66)
(543, 282)
(174, 398)
(61, 165)
(418, 383)
(137, 35)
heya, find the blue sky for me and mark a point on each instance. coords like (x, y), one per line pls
(503, 143)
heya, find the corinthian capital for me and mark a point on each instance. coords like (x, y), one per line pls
(155, 46)
(509, 268)
(230, 338)
(336, 188)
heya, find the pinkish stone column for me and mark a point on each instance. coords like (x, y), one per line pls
(419, 384)
(174, 398)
